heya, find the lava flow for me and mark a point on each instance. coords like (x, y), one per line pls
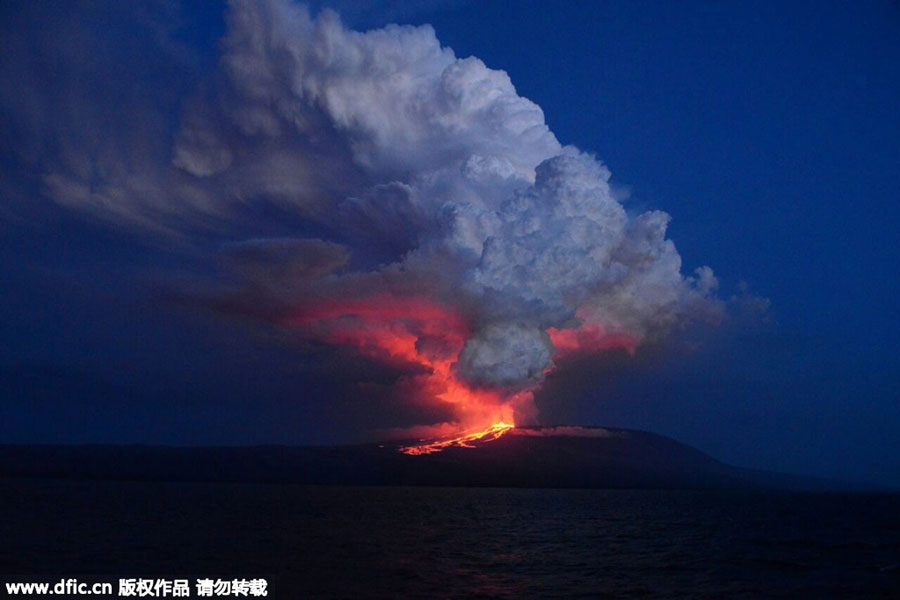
(490, 434)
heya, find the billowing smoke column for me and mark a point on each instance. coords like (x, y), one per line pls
(455, 236)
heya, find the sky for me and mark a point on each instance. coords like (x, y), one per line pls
(253, 224)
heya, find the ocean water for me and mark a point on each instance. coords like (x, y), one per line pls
(357, 542)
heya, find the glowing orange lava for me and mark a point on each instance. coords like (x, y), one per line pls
(467, 440)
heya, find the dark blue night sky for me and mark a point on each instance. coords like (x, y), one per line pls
(770, 132)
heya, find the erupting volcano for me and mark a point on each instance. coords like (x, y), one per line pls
(406, 204)
(461, 244)
(428, 340)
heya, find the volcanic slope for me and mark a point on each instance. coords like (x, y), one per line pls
(538, 457)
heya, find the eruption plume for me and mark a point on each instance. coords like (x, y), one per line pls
(446, 230)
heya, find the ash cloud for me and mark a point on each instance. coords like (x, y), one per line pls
(425, 175)
(506, 354)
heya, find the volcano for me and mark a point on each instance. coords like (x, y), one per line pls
(533, 457)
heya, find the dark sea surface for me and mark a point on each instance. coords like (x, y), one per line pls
(392, 542)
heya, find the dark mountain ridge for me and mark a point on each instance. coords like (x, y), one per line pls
(535, 457)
